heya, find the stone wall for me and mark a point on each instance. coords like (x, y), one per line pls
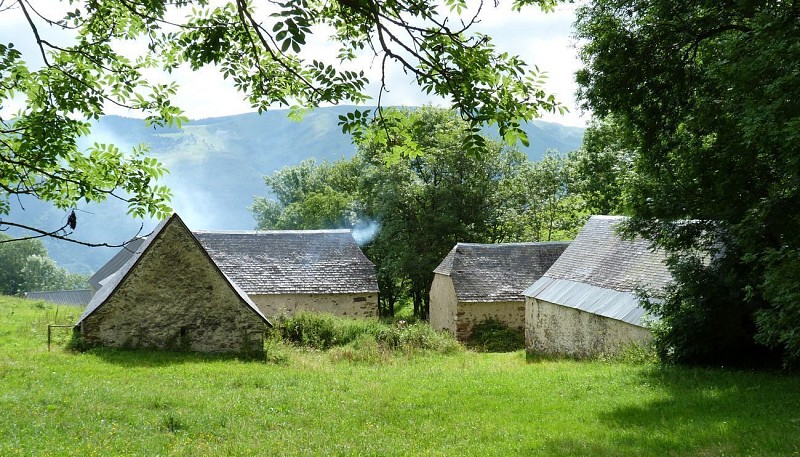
(174, 298)
(443, 304)
(561, 330)
(510, 313)
(361, 305)
(460, 318)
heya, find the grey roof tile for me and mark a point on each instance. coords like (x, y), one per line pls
(600, 272)
(497, 272)
(291, 261)
(600, 257)
(116, 262)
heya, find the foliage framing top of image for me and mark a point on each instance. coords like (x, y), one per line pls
(68, 82)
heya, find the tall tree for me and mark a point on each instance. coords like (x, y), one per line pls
(12, 259)
(709, 94)
(26, 267)
(603, 168)
(311, 196)
(432, 198)
(425, 200)
(82, 63)
(41, 273)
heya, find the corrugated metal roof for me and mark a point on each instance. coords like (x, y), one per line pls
(63, 297)
(497, 272)
(622, 306)
(601, 273)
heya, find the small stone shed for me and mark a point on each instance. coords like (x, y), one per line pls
(587, 302)
(171, 295)
(479, 281)
(286, 271)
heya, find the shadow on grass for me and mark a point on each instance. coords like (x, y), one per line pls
(154, 358)
(698, 412)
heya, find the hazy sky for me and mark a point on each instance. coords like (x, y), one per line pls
(540, 39)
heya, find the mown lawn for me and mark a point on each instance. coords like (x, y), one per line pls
(140, 403)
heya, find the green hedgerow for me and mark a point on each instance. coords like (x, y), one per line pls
(324, 331)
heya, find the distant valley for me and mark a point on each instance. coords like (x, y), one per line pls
(216, 167)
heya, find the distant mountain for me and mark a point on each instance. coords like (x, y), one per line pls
(216, 167)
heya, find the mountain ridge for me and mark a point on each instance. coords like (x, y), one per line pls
(216, 168)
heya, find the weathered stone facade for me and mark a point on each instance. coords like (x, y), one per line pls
(444, 304)
(174, 298)
(460, 318)
(561, 330)
(477, 282)
(360, 305)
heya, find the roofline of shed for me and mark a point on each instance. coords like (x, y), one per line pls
(271, 232)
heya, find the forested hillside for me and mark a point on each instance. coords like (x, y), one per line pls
(216, 167)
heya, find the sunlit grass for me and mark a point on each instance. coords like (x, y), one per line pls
(107, 402)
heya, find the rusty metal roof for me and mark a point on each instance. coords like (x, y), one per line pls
(601, 273)
(497, 272)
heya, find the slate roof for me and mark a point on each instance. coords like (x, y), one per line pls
(497, 272)
(291, 261)
(600, 272)
(116, 262)
(112, 282)
(63, 297)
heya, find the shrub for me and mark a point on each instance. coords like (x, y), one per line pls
(76, 343)
(491, 335)
(324, 331)
(274, 350)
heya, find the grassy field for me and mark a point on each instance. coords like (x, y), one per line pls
(319, 403)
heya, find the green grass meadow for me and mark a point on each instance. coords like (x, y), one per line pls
(107, 402)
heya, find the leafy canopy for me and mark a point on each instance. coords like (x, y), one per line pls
(263, 48)
(26, 267)
(417, 208)
(708, 94)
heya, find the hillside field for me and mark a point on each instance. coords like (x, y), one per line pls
(106, 402)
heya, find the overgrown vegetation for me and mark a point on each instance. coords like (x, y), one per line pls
(113, 402)
(492, 335)
(324, 331)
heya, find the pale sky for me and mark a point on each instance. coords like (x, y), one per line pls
(542, 39)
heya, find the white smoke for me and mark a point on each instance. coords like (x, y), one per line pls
(365, 231)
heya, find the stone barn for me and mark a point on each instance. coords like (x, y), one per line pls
(587, 303)
(475, 282)
(171, 295)
(286, 271)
